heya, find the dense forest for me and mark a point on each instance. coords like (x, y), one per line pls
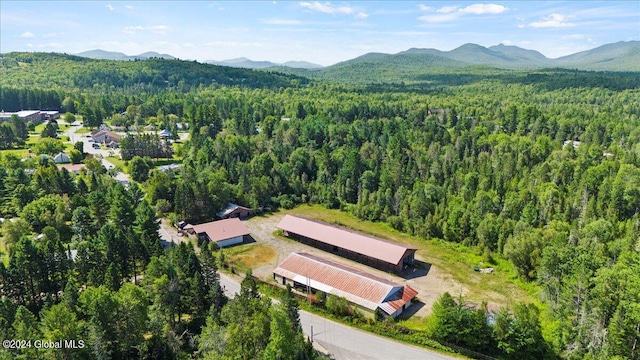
(542, 169)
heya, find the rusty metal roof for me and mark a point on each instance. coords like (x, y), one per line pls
(372, 247)
(222, 229)
(356, 286)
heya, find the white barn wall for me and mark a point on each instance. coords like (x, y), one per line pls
(229, 242)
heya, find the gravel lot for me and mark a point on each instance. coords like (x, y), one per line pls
(429, 286)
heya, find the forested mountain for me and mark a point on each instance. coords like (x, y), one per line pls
(110, 55)
(50, 70)
(617, 56)
(414, 63)
(251, 64)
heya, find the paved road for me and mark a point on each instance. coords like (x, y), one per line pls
(345, 342)
(88, 148)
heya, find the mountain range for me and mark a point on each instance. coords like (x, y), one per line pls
(110, 55)
(619, 56)
(251, 64)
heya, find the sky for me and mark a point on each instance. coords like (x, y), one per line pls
(320, 32)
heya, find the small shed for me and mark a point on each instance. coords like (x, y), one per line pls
(234, 211)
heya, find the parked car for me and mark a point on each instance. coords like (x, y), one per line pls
(95, 146)
(91, 140)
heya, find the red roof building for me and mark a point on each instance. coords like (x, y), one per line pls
(366, 249)
(367, 291)
(223, 232)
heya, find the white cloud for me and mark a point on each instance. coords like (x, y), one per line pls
(110, 7)
(438, 18)
(449, 13)
(552, 21)
(27, 35)
(276, 21)
(327, 8)
(447, 9)
(480, 9)
(159, 29)
(424, 7)
(156, 29)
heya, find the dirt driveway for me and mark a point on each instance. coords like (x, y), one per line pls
(430, 282)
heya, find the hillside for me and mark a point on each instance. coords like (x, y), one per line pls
(252, 64)
(419, 65)
(52, 70)
(110, 55)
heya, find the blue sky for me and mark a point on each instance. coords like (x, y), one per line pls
(316, 31)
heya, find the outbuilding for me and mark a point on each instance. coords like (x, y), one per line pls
(234, 211)
(369, 250)
(367, 292)
(223, 232)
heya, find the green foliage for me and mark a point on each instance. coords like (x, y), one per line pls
(519, 335)
(145, 145)
(459, 323)
(139, 168)
(339, 306)
(48, 146)
(50, 131)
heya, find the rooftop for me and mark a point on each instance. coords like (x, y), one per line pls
(372, 247)
(222, 229)
(358, 287)
(229, 208)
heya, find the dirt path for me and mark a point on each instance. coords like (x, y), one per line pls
(429, 286)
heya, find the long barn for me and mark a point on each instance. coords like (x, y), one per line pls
(375, 252)
(367, 292)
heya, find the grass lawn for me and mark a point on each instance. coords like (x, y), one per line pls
(83, 130)
(453, 259)
(248, 256)
(20, 153)
(39, 128)
(118, 162)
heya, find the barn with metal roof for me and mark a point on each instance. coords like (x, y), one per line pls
(372, 251)
(223, 232)
(366, 291)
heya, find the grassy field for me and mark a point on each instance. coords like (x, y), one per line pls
(453, 259)
(248, 256)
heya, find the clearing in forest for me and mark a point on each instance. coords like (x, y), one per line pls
(442, 266)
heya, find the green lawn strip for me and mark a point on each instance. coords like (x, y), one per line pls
(119, 163)
(39, 128)
(20, 153)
